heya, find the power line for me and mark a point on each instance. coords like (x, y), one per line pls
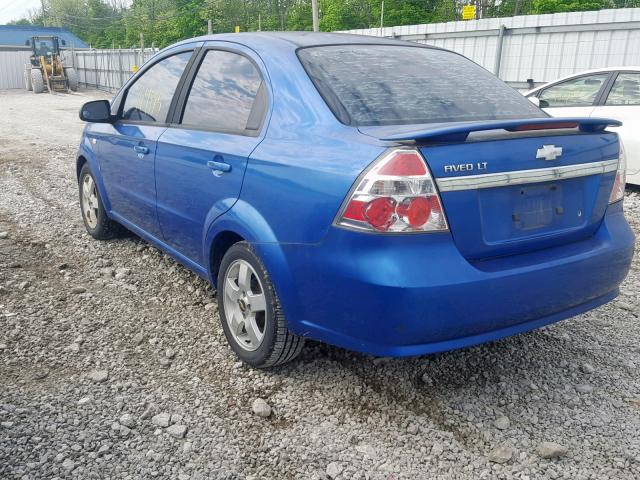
(86, 17)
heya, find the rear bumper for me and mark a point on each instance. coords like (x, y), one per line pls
(415, 294)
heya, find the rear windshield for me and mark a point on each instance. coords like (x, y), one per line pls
(398, 85)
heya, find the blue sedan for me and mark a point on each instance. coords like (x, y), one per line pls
(383, 196)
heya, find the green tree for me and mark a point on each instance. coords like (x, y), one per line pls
(555, 6)
(105, 23)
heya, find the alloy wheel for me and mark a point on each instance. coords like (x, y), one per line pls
(90, 201)
(245, 305)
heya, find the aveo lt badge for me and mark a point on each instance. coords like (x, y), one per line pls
(465, 167)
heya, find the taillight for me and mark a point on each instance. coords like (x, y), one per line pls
(617, 193)
(396, 195)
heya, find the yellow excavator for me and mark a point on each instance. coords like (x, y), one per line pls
(45, 69)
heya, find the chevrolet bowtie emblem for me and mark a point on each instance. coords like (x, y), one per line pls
(549, 152)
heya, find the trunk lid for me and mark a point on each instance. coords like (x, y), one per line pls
(521, 186)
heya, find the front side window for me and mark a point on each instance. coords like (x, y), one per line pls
(577, 92)
(625, 90)
(149, 98)
(226, 94)
(399, 85)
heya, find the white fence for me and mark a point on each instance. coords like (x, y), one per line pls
(12, 62)
(539, 48)
(108, 69)
(104, 69)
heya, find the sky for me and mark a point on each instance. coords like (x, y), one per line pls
(16, 9)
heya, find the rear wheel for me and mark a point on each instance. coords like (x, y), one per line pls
(94, 216)
(27, 78)
(72, 78)
(37, 82)
(250, 312)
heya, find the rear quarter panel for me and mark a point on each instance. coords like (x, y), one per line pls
(297, 178)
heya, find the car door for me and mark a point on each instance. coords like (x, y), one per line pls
(623, 103)
(201, 158)
(128, 146)
(575, 97)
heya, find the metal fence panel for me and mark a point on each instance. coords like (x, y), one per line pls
(105, 69)
(12, 62)
(108, 69)
(537, 47)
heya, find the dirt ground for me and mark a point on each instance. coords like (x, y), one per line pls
(113, 364)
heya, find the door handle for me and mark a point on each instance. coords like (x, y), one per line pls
(219, 166)
(141, 149)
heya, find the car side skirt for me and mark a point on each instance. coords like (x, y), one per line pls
(173, 253)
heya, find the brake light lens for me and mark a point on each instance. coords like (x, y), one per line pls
(396, 195)
(617, 193)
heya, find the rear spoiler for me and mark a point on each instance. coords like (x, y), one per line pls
(458, 132)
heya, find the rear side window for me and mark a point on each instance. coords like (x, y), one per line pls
(227, 94)
(149, 98)
(577, 92)
(396, 85)
(626, 90)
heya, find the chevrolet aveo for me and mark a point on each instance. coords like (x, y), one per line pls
(382, 196)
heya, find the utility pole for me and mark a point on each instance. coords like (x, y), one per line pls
(209, 27)
(259, 22)
(516, 8)
(381, 16)
(44, 11)
(141, 49)
(314, 13)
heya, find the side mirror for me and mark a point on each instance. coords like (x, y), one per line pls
(534, 100)
(98, 111)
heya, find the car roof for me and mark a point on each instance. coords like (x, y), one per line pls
(585, 72)
(298, 39)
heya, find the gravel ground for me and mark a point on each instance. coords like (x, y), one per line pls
(113, 365)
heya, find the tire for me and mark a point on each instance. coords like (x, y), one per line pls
(37, 82)
(27, 78)
(277, 345)
(72, 78)
(97, 223)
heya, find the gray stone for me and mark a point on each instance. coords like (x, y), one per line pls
(68, 464)
(551, 450)
(426, 379)
(587, 368)
(98, 376)
(502, 423)
(412, 429)
(334, 469)
(127, 420)
(177, 431)
(584, 388)
(161, 420)
(437, 449)
(261, 408)
(501, 454)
